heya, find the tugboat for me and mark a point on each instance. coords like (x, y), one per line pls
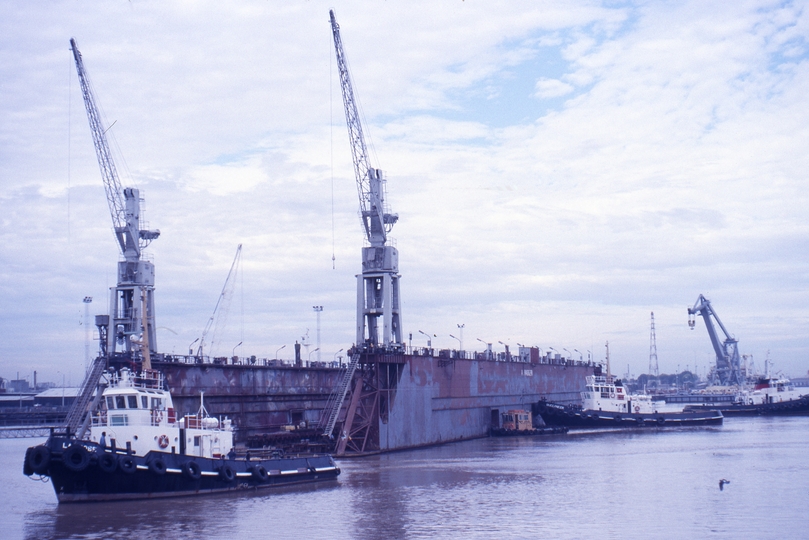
(138, 449)
(605, 403)
(768, 397)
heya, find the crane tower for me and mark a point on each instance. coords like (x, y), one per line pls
(132, 314)
(379, 323)
(728, 363)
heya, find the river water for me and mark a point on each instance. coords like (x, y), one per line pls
(597, 485)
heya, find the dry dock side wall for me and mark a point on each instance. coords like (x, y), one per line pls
(439, 401)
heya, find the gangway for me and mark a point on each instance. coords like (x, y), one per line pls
(78, 419)
(338, 397)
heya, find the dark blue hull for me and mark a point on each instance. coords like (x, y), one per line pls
(574, 417)
(82, 471)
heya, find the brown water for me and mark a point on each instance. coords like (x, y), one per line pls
(631, 484)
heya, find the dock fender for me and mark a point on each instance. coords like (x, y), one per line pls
(660, 420)
(259, 473)
(76, 458)
(226, 473)
(38, 458)
(617, 418)
(639, 420)
(108, 462)
(192, 470)
(158, 465)
(127, 464)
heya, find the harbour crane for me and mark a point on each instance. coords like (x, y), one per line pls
(132, 314)
(728, 363)
(378, 301)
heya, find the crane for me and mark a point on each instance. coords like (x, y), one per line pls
(224, 302)
(378, 285)
(132, 299)
(728, 363)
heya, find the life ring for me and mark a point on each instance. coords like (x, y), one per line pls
(39, 458)
(127, 464)
(158, 466)
(226, 473)
(660, 420)
(163, 441)
(108, 462)
(260, 473)
(76, 458)
(192, 470)
(637, 408)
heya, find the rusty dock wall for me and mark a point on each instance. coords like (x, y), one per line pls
(439, 400)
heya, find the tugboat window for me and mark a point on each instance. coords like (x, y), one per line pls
(120, 402)
(110, 403)
(132, 402)
(144, 402)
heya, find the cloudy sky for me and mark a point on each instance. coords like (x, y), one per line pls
(560, 169)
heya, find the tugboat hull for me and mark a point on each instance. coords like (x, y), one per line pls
(798, 406)
(573, 417)
(83, 471)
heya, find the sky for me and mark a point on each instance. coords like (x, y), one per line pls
(561, 170)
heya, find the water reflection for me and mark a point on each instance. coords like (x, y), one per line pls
(650, 483)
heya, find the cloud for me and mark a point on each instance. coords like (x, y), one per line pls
(552, 88)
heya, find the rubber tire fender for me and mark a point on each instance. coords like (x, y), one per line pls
(617, 418)
(76, 458)
(38, 458)
(108, 462)
(660, 420)
(127, 464)
(260, 473)
(158, 466)
(226, 473)
(192, 470)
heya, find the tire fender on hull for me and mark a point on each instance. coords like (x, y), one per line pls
(108, 462)
(192, 470)
(76, 458)
(38, 458)
(127, 464)
(158, 465)
(260, 473)
(226, 473)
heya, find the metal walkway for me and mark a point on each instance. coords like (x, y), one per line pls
(336, 400)
(77, 419)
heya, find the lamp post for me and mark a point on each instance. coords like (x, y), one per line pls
(310, 354)
(460, 343)
(461, 327)
(487, 349)
(190, 349)
(233, 354)
(318, 310)
(335, 357)
(87, 300)
(429, 341)
(508, 355)
(278, 350)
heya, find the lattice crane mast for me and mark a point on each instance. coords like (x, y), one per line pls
(728, 363)
(378, 285)
(132, 300)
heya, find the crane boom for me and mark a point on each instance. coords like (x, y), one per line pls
(378, 285)
(370, 188)
(109, 174)
(728, 362)
(132, 299)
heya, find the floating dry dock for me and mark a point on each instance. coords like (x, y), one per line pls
(396, 401)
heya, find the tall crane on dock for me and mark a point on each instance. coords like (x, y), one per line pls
(728, 363)
(378, 301)
(132, 324)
